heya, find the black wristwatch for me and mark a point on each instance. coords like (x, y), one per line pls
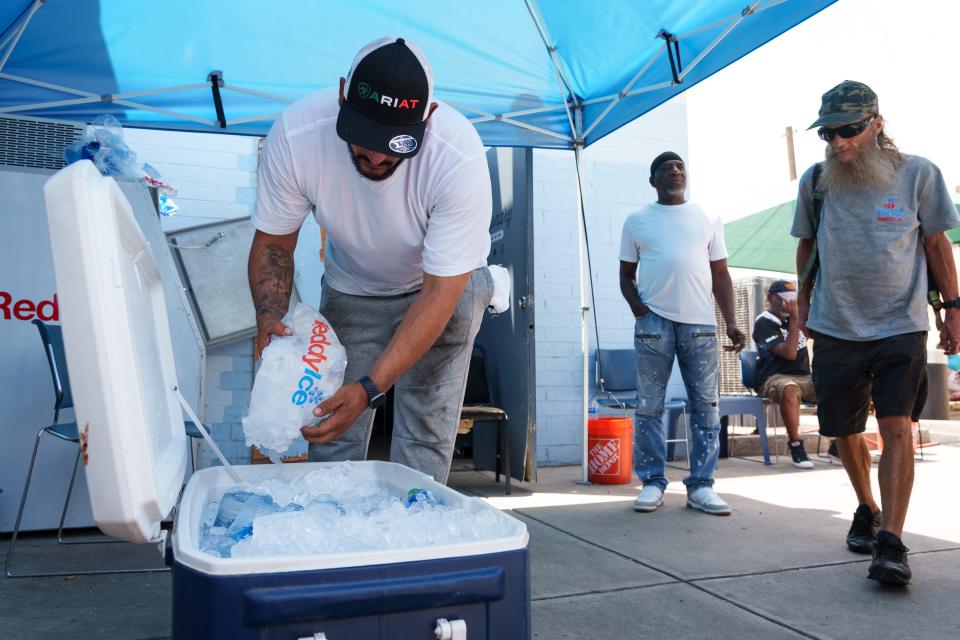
(375, 397)
(952, 304)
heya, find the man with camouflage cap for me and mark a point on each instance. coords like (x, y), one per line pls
(875, 219)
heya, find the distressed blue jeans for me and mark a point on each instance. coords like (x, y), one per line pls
(657, 340)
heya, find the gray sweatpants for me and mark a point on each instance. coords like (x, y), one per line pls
(428, 397)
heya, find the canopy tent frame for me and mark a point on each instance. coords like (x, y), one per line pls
(573, 107)
(506, 117)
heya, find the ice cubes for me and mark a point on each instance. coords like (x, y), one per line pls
(333, 511)
(296, 373)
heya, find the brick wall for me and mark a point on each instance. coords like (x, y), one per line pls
(616, 172)
(214, 175)
(229, 379)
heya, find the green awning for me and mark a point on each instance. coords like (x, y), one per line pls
(954, 234)
(763, 240)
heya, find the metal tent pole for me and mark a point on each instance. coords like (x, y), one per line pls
(14, 37)
(584, 309)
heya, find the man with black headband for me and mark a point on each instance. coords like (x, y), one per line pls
(673, 263)
(880, 221)
(400, 184)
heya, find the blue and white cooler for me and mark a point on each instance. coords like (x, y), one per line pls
(135, 454)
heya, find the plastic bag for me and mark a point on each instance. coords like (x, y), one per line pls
(296, 374)
(167, 206)
(500, 302)
(102, 143)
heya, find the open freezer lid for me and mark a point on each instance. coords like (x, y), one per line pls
(119, 353)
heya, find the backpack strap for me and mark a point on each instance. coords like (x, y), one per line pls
(810, 269)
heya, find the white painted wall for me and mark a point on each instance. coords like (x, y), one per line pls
(616, 183)
(215, 178)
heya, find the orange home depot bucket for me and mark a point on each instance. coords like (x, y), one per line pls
(610, 450)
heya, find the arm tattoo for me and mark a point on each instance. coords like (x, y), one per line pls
(273, 280)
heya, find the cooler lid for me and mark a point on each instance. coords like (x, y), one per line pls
(119, 354)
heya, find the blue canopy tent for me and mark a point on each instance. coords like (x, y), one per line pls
(532, 73)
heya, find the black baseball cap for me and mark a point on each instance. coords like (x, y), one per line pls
(785, 289)
(388, 95)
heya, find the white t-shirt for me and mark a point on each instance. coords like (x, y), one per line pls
(431, 216)
(673, 246)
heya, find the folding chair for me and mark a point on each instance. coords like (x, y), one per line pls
(52, 339)
(751, 404)
(477, 406)
(616, 373)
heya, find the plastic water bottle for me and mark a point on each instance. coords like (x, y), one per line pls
(255, 506)
(420, 496)
(593, 412)
(230, 505)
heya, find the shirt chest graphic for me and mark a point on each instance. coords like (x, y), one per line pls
(888, 211)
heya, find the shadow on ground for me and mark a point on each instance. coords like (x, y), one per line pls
(776, 568)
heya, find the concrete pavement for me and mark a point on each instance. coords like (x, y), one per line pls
(776, 568)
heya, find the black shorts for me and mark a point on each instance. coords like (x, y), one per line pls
(847, 375)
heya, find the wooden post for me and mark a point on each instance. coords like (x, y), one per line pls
(791, 159)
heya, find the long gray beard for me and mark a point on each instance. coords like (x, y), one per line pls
(872, 168)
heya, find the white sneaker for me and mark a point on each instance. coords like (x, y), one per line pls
(649, 499)
(706, 499)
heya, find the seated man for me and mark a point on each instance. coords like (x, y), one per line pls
(783, 365)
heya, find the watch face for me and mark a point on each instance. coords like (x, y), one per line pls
(378, 400)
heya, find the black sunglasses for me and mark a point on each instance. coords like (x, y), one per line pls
(846, 131)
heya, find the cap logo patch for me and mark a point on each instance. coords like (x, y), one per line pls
(366, 92)
(403, 144)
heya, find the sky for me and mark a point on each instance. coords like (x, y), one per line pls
(907, 51)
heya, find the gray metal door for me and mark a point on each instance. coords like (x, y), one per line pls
(508, 338)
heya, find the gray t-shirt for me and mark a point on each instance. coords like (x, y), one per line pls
(872, 281)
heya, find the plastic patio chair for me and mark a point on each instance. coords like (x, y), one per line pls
(750, 404)
(616, 373)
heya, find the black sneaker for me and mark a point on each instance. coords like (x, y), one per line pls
(889, 564)
(864, 529)
(833, 454)
(799, 455)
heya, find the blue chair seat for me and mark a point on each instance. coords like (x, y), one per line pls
(192, 430)
(627, 403)
(65, 431)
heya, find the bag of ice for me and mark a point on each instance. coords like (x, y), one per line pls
(296, 373)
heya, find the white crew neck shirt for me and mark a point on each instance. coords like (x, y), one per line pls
(431, 216)
(673, 246)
